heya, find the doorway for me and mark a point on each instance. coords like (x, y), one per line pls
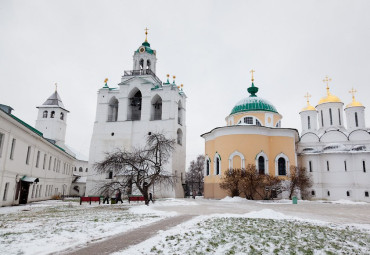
(25, 187)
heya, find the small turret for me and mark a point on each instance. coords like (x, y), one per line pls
(355, 113)
(308, 117)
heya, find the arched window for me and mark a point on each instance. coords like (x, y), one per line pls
(356, 119)
(217, 164)
(113, 109)
(309, 122)
(313, 193)
(207, 167)
(179, 113)
(156, 111)
(62, 116)
(52, 114)
(141, 63)
(134, 109)
(80, 169)
(179, 137)
(236, 160)
(281, 166)
(148, 64)
(261, 165)
(331, 117)
(340, 121)
(45, 114)
(322, 119)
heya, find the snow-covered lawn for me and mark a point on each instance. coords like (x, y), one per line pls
(262, 232)
(51, 226)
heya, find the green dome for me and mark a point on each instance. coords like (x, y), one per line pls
(251, 104)
(146, 45)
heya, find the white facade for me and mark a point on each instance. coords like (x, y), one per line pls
(127, 114)
(338, 158)
(32, 168)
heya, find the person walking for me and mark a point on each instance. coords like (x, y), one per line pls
(151, 197)
(106, 197)
(119, 197)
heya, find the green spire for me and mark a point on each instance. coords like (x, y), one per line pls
(253, 90)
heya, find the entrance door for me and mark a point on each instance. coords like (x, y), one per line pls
(25, 186)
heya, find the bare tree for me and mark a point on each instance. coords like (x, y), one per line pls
(141, 167)
(195, 175)
(299, 181)
(251, 183)
(230, 181)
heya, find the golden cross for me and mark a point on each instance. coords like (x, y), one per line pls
(106, 80)
(252, 71)
(327, 80)
(307, 96)
(56, 86)
(353, 91)
(146, 34)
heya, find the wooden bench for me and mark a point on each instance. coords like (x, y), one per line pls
(89, 199)
(135, 198)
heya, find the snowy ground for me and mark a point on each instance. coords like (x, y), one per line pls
(228, 226)
(261, 232)
(51, 226)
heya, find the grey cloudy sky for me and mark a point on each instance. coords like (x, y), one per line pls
(209, 45)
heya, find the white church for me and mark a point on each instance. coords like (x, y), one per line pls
(141, 104)
(336, 155)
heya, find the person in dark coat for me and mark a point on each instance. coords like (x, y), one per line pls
(119, 197)
(151, 197)
(106, 197)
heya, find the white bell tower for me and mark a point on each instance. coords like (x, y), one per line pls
(52, 118)
(145, 57)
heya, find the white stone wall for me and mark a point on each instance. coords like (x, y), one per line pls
(57, 179)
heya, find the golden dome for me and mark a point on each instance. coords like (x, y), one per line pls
(308, 107)
(329, 97)
(354, 103)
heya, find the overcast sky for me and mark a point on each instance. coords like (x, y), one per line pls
(209, 45)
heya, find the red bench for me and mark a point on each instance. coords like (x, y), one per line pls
(89, 199)
(135, 198)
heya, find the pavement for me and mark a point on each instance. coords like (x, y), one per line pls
(323, 211)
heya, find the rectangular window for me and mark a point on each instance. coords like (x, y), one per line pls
(363, 166)
(33, 190)
(366, 193)
(43, 164)
(38, 159)
(248, 120)
(12, 149)
(40, 191)
(322, 119)
(46, 190)
(327, 165)
(55, 162)
(331, 117)
(310, 165)
(50, 163)
(1, 143)
(345, 166)
(6, 191)
(340, 121)
(28, 155)
(37, 190)
(309, 122)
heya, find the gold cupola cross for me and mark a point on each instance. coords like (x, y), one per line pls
(307, 96)
(353, 91)
(327, 80)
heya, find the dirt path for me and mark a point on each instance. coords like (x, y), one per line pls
(122, 241)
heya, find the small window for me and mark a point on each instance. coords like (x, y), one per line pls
(86, 170)
(309, 122)
(49, 163)
(322, 119)
(38, 159)
(345, 166)
(281, 166)
(340, 121)
(207, 168)
(6, 191)
(44, 163)
(328, 193)
(348, 193)
(331, 117)
(110, 175)
(1, 143)
(258, 123)
(366, 193)
(356, 119)
(248, 120)
(261, 165)
(179, 137)
(217, 166)
(363, 166)
(12, 149)
(310, 165)
(33, 190)
(327, 165)
(52, 114)
(45, 114)
(62, 116)
(80, 169)
(313, 193)
(28, 155)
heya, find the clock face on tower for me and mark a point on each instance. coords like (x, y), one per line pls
(141, 49)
